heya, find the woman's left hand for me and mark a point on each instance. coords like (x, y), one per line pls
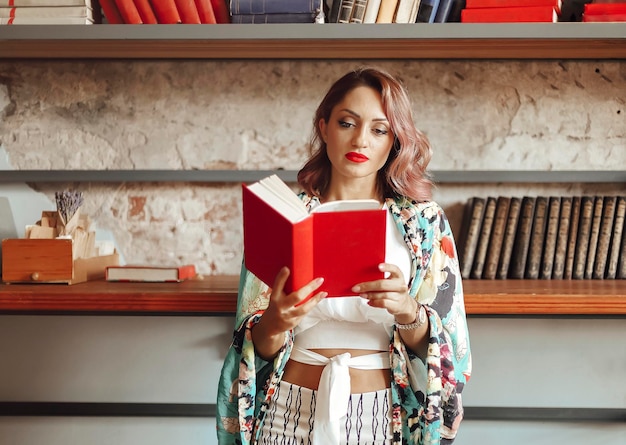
(390, 293)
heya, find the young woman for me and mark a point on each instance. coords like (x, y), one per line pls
(387, 366)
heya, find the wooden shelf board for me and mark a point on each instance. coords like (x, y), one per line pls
(218, 295)
(311, 41)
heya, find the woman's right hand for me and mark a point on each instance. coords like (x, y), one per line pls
(283, 313)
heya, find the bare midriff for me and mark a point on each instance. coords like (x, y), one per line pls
(361, 380)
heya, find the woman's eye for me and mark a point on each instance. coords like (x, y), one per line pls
(381, 131)
(345, 124)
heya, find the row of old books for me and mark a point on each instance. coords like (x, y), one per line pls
(35, 12)
(543, 237)
(151, 12)
(394, 11)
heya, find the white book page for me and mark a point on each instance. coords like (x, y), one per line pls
(347, 205)
(278, 194)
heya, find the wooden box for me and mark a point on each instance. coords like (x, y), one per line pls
(49, 261)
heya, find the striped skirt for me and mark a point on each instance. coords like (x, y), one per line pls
(290, 418)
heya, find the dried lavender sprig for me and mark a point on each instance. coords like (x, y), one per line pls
(68, 202)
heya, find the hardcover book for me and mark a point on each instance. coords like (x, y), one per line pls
(111, 12)
(443, 11)
(522, 238)
(188, 12)
(568, 271)
(406, 11)
(582, 238)
(220, 9)
(510, 15)
(358, 11)
(537, 238)
(47, 11)
(386, 11)
(604, 237)
(483, 239)
(274, 18)
(594, 234)
(276, 6)
(470, 233)
(345, 11)
(511, 3)
(616, 238)
(40, 3)
(154, 274)
(560, 249)
(552, 228)
(427, 11)
(146, 13)
(205, 12)
(165, 11)
(128, 11)
(496, 238)
(371, 11)
(341, 241)
(509, 238)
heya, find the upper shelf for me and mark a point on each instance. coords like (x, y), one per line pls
(316, 41)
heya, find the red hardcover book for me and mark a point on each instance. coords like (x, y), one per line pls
(110, 11)
(205, 11)
(153, 274)
(341, 241)
(220, 9)
(604, 8)
(510, 15)
(471, 4)
(188, 11)
(599, 18)
(129, 12)
(165, 11)
(145, 12)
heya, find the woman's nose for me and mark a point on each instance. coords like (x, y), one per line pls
(359, 138)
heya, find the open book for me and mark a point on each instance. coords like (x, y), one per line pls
(341, 241)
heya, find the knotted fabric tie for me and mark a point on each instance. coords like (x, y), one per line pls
(333, 393)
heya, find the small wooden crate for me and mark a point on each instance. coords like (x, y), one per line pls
(49, 261)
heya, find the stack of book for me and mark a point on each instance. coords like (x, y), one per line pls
(48, 12)
(544, 237)
(276, 11)
(499, 11)
(394, 11)
(151, 12)
(604, 12)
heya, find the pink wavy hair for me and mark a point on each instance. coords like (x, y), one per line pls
(404, 173)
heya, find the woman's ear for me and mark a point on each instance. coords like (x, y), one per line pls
(323, 127)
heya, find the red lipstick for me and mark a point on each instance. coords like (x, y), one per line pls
(353, 156)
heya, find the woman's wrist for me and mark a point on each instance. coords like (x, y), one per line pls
(410, 316)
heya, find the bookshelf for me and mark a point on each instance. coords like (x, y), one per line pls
(317, 41)
(516, 41)
(217, 295)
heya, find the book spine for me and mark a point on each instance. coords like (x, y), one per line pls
(205, 12)
(358, 11)
(129, 12)
(220, 9)
(371, 11)
(497, 236)
(443, 11)
(165, 11)
(510, 15)
(187, 11)
(386, 11)
(403, 11)
(470, 4)
(572, 238)
(594, 234)
(600, 8)
(522, 238)
(604, 237)
(560, 249)
(471, 234)
(616, 237)
(427, 11)
(345, 11)
(582, 238)
(145, 11)
(46, 11)
(509, 238)
(604, 18)
(549, 248)
(483, 240)
(537, 238)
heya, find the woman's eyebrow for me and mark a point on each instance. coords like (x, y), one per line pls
(355, 114)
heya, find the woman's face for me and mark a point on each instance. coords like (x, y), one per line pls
(358, 135)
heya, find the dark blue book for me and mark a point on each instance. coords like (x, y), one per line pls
(443, 11)
(427, 11)
(238, 7)
(274, 18)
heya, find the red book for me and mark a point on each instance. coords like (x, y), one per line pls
(470, 4)
(604, 17)
(145, 12)
(110, 11)
(205, 11)
(128, 11)
(220, 9)
(165, 11)
(153, 274)
(604, 8)
(341, 241)
(187, 11)
(510, 15)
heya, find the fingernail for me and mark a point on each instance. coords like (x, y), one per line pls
(324, 295)
(319, 280)
(356, 288)
(381, 267)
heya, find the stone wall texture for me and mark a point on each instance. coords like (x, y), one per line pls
(249, 115)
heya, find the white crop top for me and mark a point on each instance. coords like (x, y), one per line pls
(349, 322)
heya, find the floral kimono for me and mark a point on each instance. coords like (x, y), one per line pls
(426, 393)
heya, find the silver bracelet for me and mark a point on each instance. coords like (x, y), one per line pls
(420, 318)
